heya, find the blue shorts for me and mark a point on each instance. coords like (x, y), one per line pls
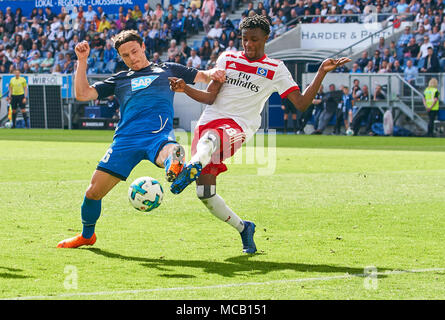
(125, 153)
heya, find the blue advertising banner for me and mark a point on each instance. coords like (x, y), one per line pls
(109, 6)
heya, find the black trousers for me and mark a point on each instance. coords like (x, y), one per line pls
(432, 115)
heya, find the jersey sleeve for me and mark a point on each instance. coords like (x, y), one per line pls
(221, 61)
(105, 88)
(188, 74)
(284, 83)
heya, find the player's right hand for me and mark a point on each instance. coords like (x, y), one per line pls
(82, 50)
(177, 84)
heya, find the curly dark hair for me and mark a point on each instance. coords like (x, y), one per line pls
(126, 36)
(256, 21)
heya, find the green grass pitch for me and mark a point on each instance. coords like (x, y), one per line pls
(332, 207)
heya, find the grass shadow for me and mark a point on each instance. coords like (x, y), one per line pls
(234, 266)
(10, 275)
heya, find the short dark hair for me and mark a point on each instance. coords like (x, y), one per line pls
(126, 36)
(256, 21)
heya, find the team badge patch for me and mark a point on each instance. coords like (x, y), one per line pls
(142, 82)
(262, 72)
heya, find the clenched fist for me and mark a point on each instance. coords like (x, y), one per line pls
(82, 50)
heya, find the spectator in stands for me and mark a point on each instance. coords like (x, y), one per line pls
(156, 58)
(109, 58)
(48, 63)
(205, 51)
(381, 46)
(217, 47)
(207, 12)
(226, 23)
(159, 12)
(419, 34)
(411, 50)
(184, 51)
(410, 73)
(194, 60)
(212, 62)
(431, 62)
(89, 14)
(423, 50)
(396, 67)
(177, 27)
(363, 60)
(164, 36)
(104, 24)
(404, 38)
(68, 66)
(34, 62)
(231, 46)
(216, 31)
(136, 13)
(435, 37)
(97, 46)
(376, 60)
(332, 16)
(355, 68)
(172, 51)
(370, 68)
(379, 94)
(191, 25)
(441, 56)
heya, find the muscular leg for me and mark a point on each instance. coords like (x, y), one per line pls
(206, 192)
(101, 183)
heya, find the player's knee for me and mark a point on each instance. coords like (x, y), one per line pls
(212, 137)
(205, 192)
(94, 193)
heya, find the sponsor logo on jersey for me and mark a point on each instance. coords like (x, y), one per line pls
(142, 82)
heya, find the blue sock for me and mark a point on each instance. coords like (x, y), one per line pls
(90, 212)
(167, 162)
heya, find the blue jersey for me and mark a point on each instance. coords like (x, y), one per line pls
(145, 98)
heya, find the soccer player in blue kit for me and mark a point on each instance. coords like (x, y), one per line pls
(145, 126)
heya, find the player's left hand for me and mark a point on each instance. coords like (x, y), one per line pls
(24, 101)
(331, 64)
(218, 75)
(177, 84)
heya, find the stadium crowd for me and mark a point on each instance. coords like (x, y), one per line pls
(44, 41)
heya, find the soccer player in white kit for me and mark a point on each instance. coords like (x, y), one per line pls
(233, 115)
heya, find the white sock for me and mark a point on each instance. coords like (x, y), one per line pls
(217, 206)
(205, 148)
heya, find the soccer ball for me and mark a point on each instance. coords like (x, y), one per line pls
(349, 132)
(8, 125)
(145, 194)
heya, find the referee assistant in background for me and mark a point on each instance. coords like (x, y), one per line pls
(18, 93)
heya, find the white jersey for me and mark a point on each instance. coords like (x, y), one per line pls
(248, 86)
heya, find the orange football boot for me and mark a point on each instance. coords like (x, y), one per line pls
(176, 164)
(77, 241)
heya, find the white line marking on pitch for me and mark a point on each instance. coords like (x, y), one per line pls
(229, 285)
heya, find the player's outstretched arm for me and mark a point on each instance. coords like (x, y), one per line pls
(303, 100)
(207, 96)
(83, 91)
